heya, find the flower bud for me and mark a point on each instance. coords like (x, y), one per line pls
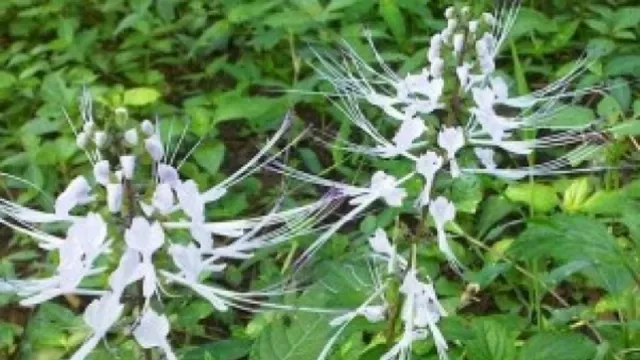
(154, 148)
(101, 172)
(128, 164)
(88, 126)
(131, 137)
(114, 197)
(473, 26)
(147, 127)
(489, 19)
(458, 43)
(121, 116)
(82, 140)
(437, 65)
(449, 13)
(100, 138)
(465, 11)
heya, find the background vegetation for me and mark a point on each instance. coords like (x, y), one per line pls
(555, 267)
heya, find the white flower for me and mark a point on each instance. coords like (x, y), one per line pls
(428, 165)
(189, 260)
(385, 187)
(443, 211)
(100, 315)
(486, 157)
(163, 199)
(76, 193)
(191, 201)
(144, 237)
(101, 172)
(168, 174)
(451, 140)
(128, 165)
(152, 331)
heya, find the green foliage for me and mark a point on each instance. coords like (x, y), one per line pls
(226, 67)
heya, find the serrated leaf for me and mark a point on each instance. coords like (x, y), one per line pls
(492, 341)
(567, 239)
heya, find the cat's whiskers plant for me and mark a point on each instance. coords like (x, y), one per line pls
(135, 213)
(453, 118)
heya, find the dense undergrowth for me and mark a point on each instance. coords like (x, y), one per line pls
(552, 263)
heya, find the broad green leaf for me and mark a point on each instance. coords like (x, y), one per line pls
(232, 349)
(141, 96)
(623, 65)
(492, 340)
(575, 195)
(626, 17)
(609, 108)
(541, 198)
(393, 18)
(6, 79)
(570, 116)
(494, 209)
(574, 238)
(558, 346)
(627, 128)
(210, 157)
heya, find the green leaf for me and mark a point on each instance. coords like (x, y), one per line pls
(310, 160)
(210, 157)
(393, 18)
(609, 108)
(623, 65)
(233, 349)
(569, 116)
(492, 341)
(541, 198)
(494, 209)
(626, 17)
(567, 239)
(7, 79)
(627, 128)
(558, 346)
(141, 96)
(466, 193)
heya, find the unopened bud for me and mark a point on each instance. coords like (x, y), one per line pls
(473, 26)
(131, 137)
(458, 43)
(88, 126)
(465, 11)
(128, 164)
(101, 172)
(437, 65)
(154, 148)
(114, 197)
(489, 19)
(449, 13)
(100, 138)
(82, 140)
(147, 127)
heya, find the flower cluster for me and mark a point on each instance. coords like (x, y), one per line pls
(135, 226)
(452, 118)
(134, 213)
